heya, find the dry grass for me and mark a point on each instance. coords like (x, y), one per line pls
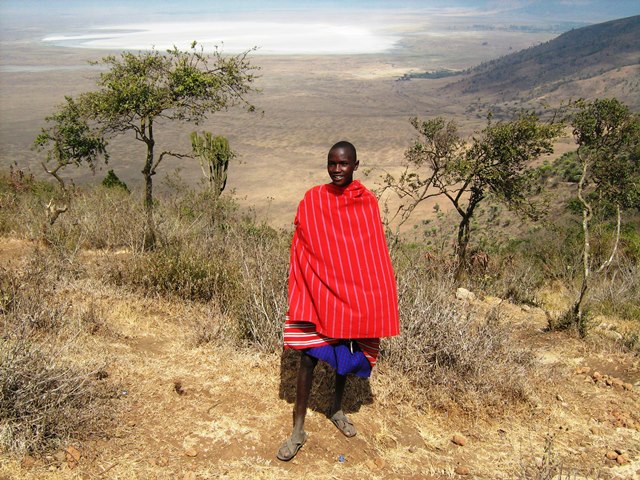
(182, 315)
(451, 354)
(50, 391)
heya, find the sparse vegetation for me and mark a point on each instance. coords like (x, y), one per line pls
(49, 392)
(496, 162)
(137, 92)
(446, 348)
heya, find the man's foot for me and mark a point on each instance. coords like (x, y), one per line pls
(290, 447)
(342, 423)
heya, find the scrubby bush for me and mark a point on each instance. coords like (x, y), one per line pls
(22, 203)
(210, 251)
(449, 353)
(47, 395)
(264, 256)
(191, 272)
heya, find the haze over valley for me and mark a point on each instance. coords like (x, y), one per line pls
(328, 71)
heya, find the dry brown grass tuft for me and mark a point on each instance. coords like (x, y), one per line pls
(448, 352)
(47, 393)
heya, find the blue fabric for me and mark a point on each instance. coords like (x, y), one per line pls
(344, 362)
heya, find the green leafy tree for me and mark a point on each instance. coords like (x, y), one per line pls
(496, 162)
(608, 139)
(214, 154)
(141, 92)
(69, 140)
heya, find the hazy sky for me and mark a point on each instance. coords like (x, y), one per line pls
(582, 10)
(278, 26)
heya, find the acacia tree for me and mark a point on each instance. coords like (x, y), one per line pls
(608, 139)
(140, 92)
(496, 162)
(69, 141)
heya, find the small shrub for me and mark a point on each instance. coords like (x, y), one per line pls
(46, 395)
(569, 320)
(45, 399)
(448, 353)
(551, 466)
(264, 255)
(191, 272)
(100, 218)
(111, 180)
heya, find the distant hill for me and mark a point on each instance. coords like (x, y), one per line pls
(576, 55)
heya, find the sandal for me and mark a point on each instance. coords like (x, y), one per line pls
(342, 423)
(291, 448)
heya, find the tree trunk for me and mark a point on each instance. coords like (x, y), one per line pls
(462, 244)
(464, 231)
(578, 313)
(150, 232)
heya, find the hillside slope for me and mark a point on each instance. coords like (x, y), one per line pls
(573, 56)
(197, 413)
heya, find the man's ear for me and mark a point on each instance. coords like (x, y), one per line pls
(356, 166)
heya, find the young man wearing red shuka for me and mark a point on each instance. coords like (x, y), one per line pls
(342, 289)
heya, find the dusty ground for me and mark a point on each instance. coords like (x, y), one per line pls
(202, 412)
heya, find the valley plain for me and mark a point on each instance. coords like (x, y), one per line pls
(306, 103)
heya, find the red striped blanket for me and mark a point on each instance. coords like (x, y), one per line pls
(341, 278)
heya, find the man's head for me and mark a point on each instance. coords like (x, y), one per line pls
(342, 161)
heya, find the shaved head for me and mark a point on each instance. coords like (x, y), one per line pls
(348, 148)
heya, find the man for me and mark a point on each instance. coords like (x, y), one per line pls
(342, 290)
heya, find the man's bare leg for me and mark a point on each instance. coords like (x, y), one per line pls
(303, 392)
(337, 416)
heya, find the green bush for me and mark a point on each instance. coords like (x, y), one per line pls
(111, 180)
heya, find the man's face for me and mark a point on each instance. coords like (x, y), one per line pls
(341, 166)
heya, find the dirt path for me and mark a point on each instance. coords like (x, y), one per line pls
(217, 412)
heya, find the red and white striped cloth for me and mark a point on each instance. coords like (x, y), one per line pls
(341, 279)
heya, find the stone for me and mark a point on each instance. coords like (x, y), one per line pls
(613, 335)
(370, 465)
(162, 461)
(464, 294)
(616, 382)
(72, 454)
(583, 371)
(462, 470)
(559, 398)
(622, 459)
(380, 463)
(595, 430)
(627, 386)
(597, 376)
(611, 455)
(459, 440)
(191, 452)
